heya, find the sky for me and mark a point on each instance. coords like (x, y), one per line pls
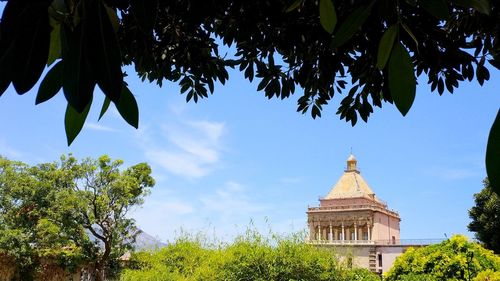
(238, 159)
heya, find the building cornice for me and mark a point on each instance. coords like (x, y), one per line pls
(364, 207)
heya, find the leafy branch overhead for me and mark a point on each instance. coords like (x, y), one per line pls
(368, 51)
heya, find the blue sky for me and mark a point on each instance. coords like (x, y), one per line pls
(237, 157)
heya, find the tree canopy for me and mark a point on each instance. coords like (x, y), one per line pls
(371, 51)
(453, 259)
(485, 216)
(72, 211)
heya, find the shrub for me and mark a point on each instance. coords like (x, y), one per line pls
(454, 259)
(250, 257)
(488, 275)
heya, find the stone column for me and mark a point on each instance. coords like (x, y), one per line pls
(312, 235)
(343, 232)
(319, 231)
(331, 233)
(355, 231)
(369, 232)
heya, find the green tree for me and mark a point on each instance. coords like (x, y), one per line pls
(381, 45)
(485, 216)
(454, 259)
(73, 211)
(29, 231)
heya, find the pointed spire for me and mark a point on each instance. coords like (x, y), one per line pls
(352, 164)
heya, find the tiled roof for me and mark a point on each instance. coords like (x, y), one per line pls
(351, 184)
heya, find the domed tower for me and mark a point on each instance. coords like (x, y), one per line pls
(351, 213)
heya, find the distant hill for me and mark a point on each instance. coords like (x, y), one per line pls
(145, 241)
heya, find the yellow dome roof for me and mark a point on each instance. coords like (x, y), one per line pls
(351, 184)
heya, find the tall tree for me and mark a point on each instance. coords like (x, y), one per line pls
(74, 211)
(100, 197)
(381, 45)
(485, 216)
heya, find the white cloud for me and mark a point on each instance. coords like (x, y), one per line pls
(213, 130)
(231, 199)
(189, 149)
(219, 213)
(457, 174)
(8, 151)
(98, 127)
(177, 207)
(178, 163)
(291, 180)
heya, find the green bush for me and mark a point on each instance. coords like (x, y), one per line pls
(454, 259)
(251, 257)
(361, 274)
(488, 275)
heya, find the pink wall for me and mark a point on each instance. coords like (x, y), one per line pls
(385, 227)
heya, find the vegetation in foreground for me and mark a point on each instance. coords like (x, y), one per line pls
(454, 259)
(249, 257)
(68, 215)
(485, 217)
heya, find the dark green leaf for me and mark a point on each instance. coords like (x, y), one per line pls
(354, 118)
(105, 106)
(113, 17)
(210, 83)
(6, 62)
(51, 83)
(249, 72)
(74, 120)
(315, 112)
(78, 82)
(327, 15)
(402, 82)
(189, 96)
(31, 45)
(263, 83)
(145, 12)
(440, 86)
(10, 29)
(408, 30)
(127, 107)
(482, 6)
(294, 5)
(493, 155)
(495, 63)
(55, 43)
(103, 51)
(351, 25)
(385, 45)
(437, 8)
(4, 84)
(482, 74)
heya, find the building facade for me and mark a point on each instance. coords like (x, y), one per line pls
(357, 223)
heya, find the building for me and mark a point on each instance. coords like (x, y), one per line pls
(357, 223)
